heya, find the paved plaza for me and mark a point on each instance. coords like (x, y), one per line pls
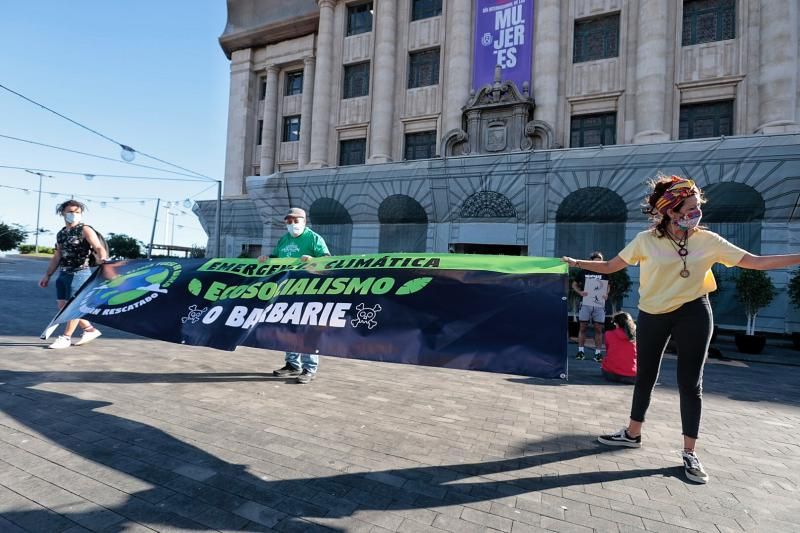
(127, 434)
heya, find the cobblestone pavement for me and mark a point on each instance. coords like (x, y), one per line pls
(126, 434)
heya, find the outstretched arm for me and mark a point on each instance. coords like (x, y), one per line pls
(768, 262)
(601, 267)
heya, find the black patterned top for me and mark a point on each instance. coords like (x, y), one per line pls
(75, 249)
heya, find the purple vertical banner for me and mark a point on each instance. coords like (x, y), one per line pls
(503, 36)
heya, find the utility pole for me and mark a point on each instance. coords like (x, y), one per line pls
(218, 224)
(38, 213)
(38, 208)
(153, 232)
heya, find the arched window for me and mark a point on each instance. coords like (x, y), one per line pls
(488, 204)
(330, 219)
(735, 211)
(404, 225)
(589, 219)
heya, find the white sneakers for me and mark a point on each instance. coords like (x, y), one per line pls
(65, 342)
(88, 336)
(60, 343)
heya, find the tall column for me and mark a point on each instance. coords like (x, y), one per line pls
(777, 88)
(651, 72)
(305, 112)
(380, 145)
(547, 57)
(268, 132)
(238, 156)
(321, 110)
(458, 79)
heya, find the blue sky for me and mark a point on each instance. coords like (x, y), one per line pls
(148, 73)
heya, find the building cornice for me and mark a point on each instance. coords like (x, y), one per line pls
(269, 34)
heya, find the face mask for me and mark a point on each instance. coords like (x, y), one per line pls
(295, 229)
(72, 218)
(690, 220)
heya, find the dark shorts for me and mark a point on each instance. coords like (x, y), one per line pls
(68, 283)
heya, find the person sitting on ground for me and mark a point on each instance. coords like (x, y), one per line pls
(619, 364)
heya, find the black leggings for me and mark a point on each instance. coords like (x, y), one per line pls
(691, 325)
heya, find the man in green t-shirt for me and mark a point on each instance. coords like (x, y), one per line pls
(299, 241)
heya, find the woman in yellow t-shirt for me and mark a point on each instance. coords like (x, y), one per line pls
(675, 256)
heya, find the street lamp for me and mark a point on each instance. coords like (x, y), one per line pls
(38, 207)
(127, 154)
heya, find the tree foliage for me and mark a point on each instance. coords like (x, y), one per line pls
(573, 298)
(11, 236)
(121, 245)
(794, 288)
(755, 290)
(619, 286)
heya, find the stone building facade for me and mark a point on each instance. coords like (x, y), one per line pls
(365, 113)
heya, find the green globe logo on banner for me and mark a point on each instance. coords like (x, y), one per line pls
(132, 289)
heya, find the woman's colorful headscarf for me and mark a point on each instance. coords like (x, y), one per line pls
(680, 189)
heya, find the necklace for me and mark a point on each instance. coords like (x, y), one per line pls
(680, 247)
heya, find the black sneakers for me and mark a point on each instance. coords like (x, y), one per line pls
(693, 468)
(306, 377)
(581, 356)
(621, 438)
(286, 371)
(691, 464)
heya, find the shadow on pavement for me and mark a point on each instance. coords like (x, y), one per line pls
(42, 344)
(753, 383)
(230, 495)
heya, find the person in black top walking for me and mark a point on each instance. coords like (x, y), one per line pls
(75, 243)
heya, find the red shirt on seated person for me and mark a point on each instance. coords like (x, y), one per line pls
(619, 363)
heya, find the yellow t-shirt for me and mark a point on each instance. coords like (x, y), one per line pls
(661, 287)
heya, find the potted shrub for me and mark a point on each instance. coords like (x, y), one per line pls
(794, 297)
(754, 289)
(619, 286)
(573, 299)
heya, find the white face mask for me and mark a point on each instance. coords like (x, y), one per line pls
(295, 229)
(72, 218)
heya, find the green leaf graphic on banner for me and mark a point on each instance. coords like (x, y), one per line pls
(413, 285)
(195, 286)
(159, 277)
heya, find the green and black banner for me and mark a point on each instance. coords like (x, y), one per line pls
(492, 313)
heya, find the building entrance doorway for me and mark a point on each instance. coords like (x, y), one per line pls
(488, 249)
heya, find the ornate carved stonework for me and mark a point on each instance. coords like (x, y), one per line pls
(488, 204)
(498, 118)
(496, 134)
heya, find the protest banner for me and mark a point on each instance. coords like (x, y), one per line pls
(492, 313)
